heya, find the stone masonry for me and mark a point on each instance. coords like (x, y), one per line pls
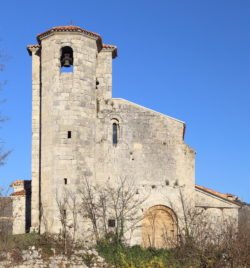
(73, 121)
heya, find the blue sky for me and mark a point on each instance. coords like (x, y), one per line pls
(187, 59)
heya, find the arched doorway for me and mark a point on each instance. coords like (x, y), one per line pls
(159, 227)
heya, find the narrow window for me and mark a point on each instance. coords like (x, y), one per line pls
(67, 59)
(64, 213)
(69, 134)
(65, 181)
(111, 223)
(115, 134)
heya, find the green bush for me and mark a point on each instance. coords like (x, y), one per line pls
(121, 256)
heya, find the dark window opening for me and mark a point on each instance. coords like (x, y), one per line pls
(67, 59)
(69, 134)
(97, 83)
(65, 181)
(64, 213)
(115, 133)
(111, 223)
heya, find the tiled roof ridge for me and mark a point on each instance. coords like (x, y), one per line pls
(33, 46)
(112, 48)
(109, 46)
(218, 194)
(72, 28)
(19, 193)
(68, 28)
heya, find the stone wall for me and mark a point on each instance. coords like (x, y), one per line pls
(72, 122)
(244, 218)
(21, 203)
(6, 220)
(68, 105)
(220, 212)
(34, 258)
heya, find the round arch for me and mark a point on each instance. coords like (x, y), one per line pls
(159, 227)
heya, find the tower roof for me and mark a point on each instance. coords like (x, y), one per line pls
(68, 28)
(75, 29)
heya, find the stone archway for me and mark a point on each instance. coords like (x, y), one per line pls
(159, 227)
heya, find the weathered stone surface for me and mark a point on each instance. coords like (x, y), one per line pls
(33, 258)
(150, 150)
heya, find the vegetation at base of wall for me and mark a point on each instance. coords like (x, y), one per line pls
(231, 253)
(46, 243)
(120, 256)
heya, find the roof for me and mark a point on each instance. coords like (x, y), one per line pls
(228, 197)
(22, 192)
(19, 193)
(148, 109)
(68, 28)
(112, 48)
(76, 29)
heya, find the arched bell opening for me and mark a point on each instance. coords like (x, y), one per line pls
(67, 59)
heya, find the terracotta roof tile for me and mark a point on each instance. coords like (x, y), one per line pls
(77, 29)
(111, 48)
(69, 28)
(34, 46)
(228, 197)
(30, 47)
(23, 192)
(19, 193)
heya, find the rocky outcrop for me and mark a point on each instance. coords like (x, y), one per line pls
(84, 258)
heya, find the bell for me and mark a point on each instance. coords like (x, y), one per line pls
(66, 60)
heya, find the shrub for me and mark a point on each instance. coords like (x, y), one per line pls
(132, 257)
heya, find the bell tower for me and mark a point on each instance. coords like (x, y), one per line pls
(71, 74)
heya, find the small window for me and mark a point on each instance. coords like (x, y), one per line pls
(67, 59)
(69, 134)
(111, 223)
(65, 181)
(64, 213)
(115, 134)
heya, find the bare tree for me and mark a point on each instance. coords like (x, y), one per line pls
(62, 204)
(112, 208)
(68, 215)
(210, 242)
(124, 202)
(73, 209)
(89, 205)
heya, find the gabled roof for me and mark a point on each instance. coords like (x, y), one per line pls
(227, 197)
(68, 28)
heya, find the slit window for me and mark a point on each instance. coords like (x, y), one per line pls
(115, 134)
(65, 181)
(69, 134)
(67, 59)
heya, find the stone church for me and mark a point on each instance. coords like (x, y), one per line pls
(80, 132)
